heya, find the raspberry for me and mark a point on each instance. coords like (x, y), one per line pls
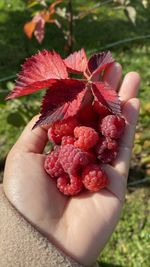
(100, 109)
(88, 116)
(106, 149)
(94, 178)
(62, 128)
(69, 186)
(73, 159)
(112, 126)
(68, 140)
(87, 137)
(52, 164)
(53, 137)
(91, 154)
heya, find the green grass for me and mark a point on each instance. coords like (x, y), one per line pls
(130, 243)
(129, 246)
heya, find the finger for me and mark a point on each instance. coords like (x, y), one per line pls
(130, 86)
(113, 75)
(117, 183)
(32, 140)
(130, 113)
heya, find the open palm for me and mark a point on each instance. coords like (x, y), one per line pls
(80, 225)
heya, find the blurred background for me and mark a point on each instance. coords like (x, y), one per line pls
(121, 26)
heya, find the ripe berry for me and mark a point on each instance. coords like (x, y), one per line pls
(52, 164)
(69, 186)
(112, 126)
(94, 178)
(53, 137)
(87, 137)
(106, 149)
(68, 140)
(73, 159)
(62, 128)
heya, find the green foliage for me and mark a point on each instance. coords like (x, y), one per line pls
(3, 94)
(15, 119)
(130, 243)
(68, 12)
(12, 5)
(105, 26)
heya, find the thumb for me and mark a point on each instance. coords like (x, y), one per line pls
(32, 140)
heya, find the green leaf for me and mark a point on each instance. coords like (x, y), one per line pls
(15, 119)
(62, 12)
(32, 3)
(130, 12)
(145, 3)
(3, 94)
(10, 85)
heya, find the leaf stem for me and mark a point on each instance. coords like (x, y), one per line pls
(90, 10)
(8, 78)
(124, 41)
(142, 181)
(70, 26)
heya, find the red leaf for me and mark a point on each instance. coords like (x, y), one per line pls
(53, 5)
(39, 30)
(61, 101)
(29, 28)
(52, 116)
(39, 71)
(99, 62)
(76, 104)
(105, 94)
(77, 62)
(88, 97)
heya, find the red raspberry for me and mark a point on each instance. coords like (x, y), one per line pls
(87, 137)
(106, 149)
(68, 140)
(53, 137)
(112, 126)
(52, 164)
(69, 187)
(91, 153)
(100, 109)
(62, 128)
(94, 178)
(73, 159)
(88, 116)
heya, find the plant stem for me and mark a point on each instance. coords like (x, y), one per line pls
(70, 27)
(90, 10)
(123, 41)
(142, 181)
(8, 78)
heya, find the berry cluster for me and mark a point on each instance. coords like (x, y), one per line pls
(81, 144)
(84, 115)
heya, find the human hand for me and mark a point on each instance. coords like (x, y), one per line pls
(80, 226)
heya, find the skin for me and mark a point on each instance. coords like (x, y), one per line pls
(81, 225)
